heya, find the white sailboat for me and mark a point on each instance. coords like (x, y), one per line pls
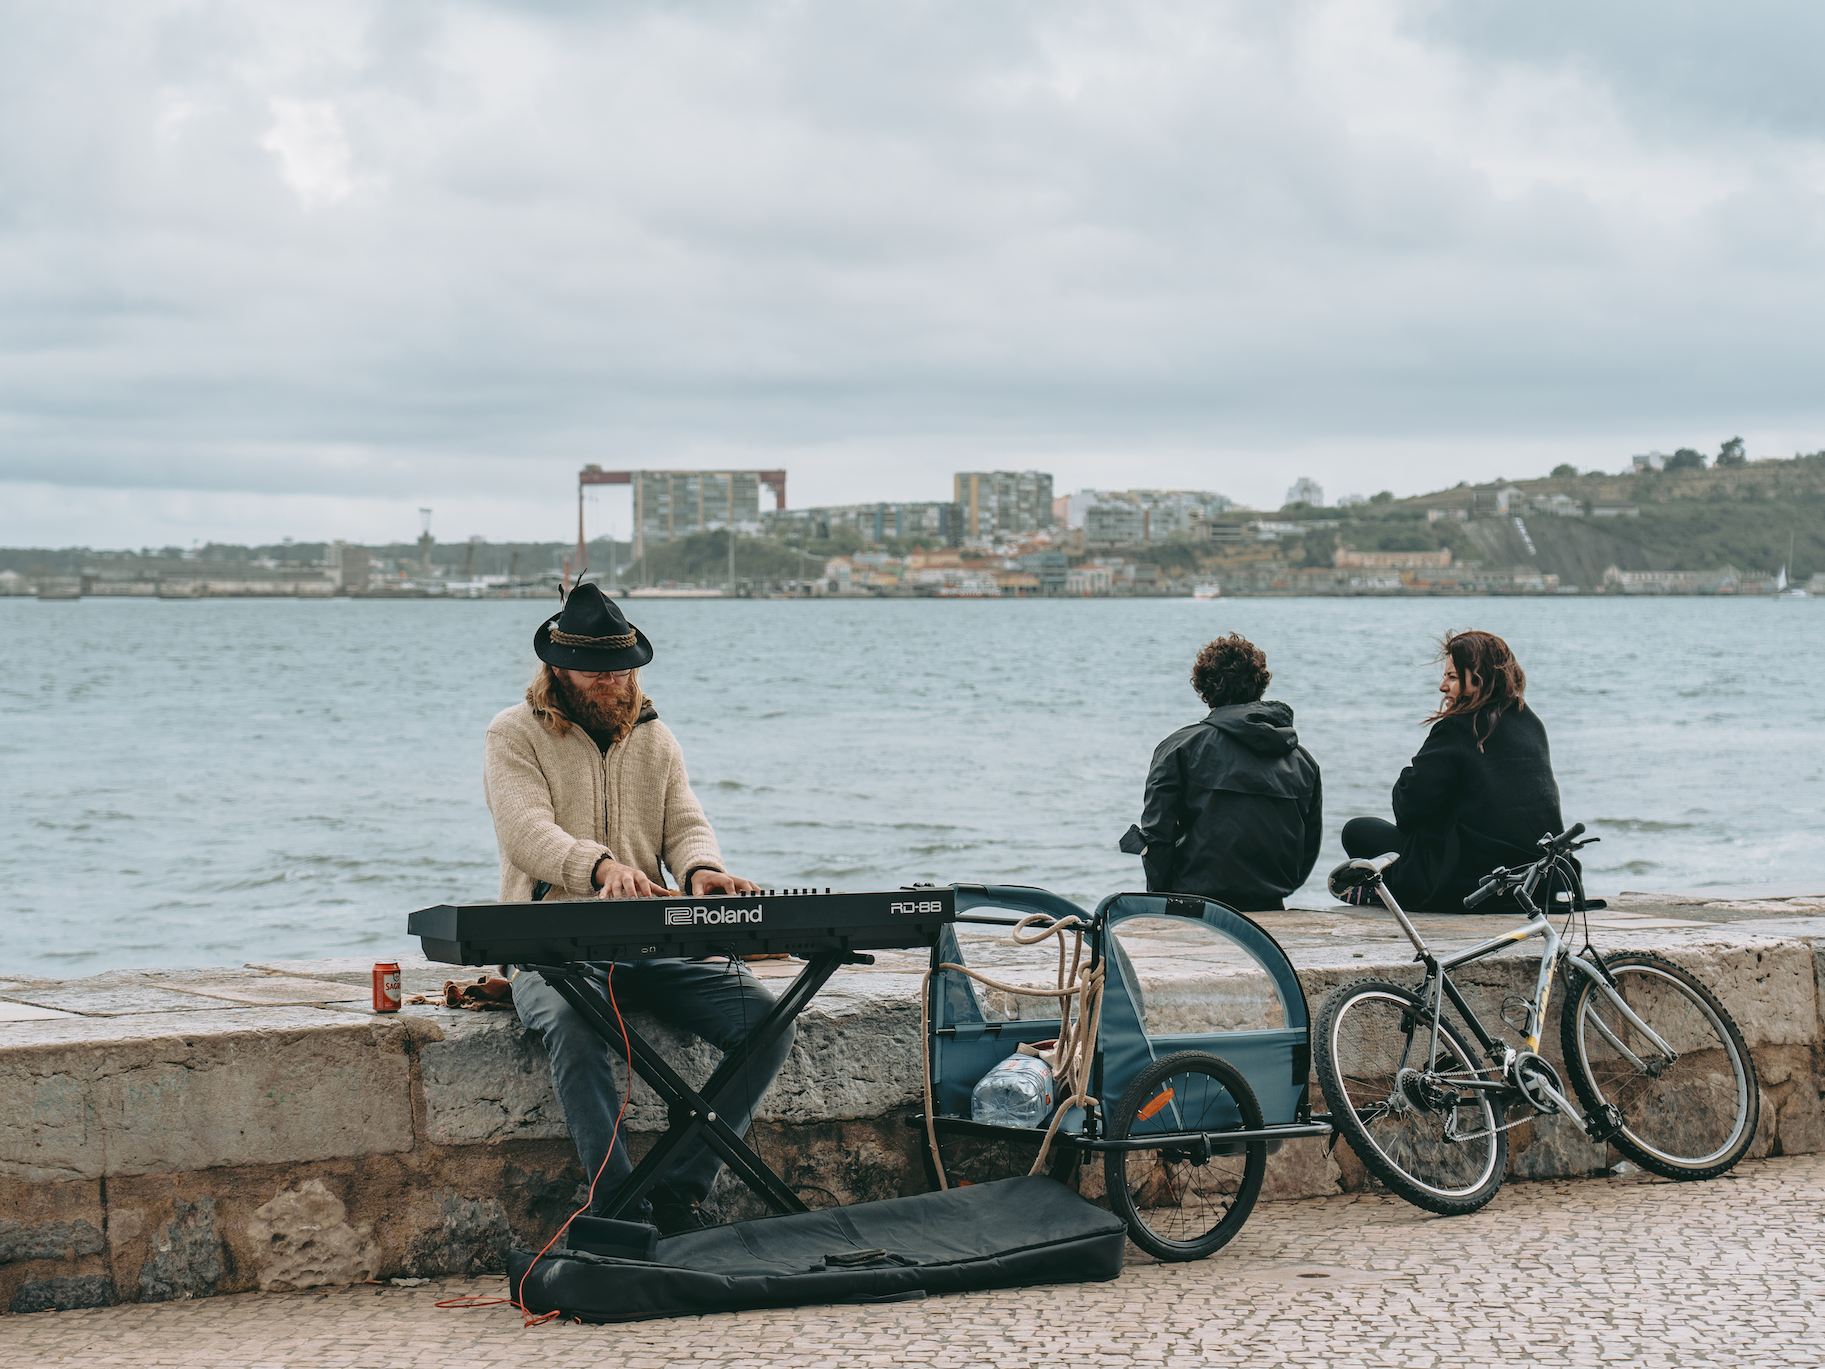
(1781, 590)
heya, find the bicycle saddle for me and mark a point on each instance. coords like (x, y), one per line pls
(1353, 874)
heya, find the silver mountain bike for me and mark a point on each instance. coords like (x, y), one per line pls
(1659, 1066)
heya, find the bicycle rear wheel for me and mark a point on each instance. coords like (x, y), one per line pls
(1415, 1127)
(1185, 1201)
(1691, 1116)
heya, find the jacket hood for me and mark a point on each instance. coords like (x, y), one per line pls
(1264, 727)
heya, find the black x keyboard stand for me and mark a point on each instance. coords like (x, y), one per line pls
(567, 943)
(693, 1113)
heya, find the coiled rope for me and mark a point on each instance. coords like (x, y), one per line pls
(1080, 1011)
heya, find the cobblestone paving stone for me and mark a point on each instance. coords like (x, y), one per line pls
(1596, 1272)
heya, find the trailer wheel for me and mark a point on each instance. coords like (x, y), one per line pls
(1185, 1201)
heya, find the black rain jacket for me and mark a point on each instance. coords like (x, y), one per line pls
(1469, 810)
(1234, 809)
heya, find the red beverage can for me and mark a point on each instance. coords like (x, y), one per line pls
(386, 986)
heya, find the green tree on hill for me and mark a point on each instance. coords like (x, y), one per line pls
(1564, 471)
(1730, 455)
(1404, 541)
(1685, 459)
(1385, 497)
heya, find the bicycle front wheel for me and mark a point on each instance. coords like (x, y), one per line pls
(1414, 1122)
(1689, 1106)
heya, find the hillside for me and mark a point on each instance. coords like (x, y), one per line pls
(1687, 520)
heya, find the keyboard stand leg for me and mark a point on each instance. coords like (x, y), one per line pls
(804, 987)
(691, 1114)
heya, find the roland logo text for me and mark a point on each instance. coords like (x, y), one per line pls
(699, 916)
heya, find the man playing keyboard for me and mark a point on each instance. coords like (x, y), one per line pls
(590, 800)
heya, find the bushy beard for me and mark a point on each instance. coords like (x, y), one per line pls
(599, 709)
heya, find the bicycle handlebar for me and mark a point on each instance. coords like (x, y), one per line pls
(1492, 885)
(1525, 879)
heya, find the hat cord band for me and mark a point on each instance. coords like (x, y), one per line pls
(615, 643)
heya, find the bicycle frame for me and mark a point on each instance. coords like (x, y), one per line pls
(1438, 986)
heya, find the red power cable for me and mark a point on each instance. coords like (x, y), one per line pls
(528, 1320)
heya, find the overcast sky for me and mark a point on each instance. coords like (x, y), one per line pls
(300, 268)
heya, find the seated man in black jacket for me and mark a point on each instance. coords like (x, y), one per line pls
(1234, 806)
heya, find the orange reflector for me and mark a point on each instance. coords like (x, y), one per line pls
(1154, 1106)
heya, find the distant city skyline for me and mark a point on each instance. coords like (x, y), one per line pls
(131, 519)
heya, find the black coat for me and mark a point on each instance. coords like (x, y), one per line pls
(1469, 810)
(1234, 808)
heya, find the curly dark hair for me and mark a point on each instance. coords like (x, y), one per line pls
(1230, 670)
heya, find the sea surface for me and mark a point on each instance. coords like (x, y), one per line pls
(217, 781)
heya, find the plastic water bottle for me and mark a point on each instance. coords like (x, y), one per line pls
(1016, 1093)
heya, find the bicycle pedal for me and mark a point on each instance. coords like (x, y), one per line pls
(1604, 1123)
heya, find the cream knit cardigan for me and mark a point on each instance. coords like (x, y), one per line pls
(560, 805)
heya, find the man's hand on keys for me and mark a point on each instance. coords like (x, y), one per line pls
(615, 880)
(716, 882)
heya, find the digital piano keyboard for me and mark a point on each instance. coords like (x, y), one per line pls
(798, 922)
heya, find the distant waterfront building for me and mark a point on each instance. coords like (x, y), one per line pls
(352, 566)
(1090, 580)
(1558, 505)
(1050, 567)
(934, 521)
(1223, 532)
(1492, 501)
(1345, 559)
(998, 505)
(1725, 580)
(1172, 510)
(1116, 524)
(1306, 490)
(673, 504)
(1652, 461)
(1269, 530)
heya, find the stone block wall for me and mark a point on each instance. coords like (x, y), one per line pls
(184, 1146)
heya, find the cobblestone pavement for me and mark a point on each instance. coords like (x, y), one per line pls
(1626, 1271)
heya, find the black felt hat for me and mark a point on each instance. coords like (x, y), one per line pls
(591, 634)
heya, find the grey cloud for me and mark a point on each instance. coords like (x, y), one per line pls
(562, 230)
(1691, 68)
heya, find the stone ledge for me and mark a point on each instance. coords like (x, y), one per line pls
(172, 1134)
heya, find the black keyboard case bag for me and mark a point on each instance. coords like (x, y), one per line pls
(1006, 1234)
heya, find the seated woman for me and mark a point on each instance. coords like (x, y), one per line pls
(1480, 792)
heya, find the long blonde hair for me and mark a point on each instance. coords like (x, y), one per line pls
(545, 696)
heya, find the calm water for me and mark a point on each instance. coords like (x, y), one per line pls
(218, 781)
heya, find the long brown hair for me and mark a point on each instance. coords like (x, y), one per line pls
(1490, 680)
(545, 695)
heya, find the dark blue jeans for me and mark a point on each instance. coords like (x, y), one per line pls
(719, 1000)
